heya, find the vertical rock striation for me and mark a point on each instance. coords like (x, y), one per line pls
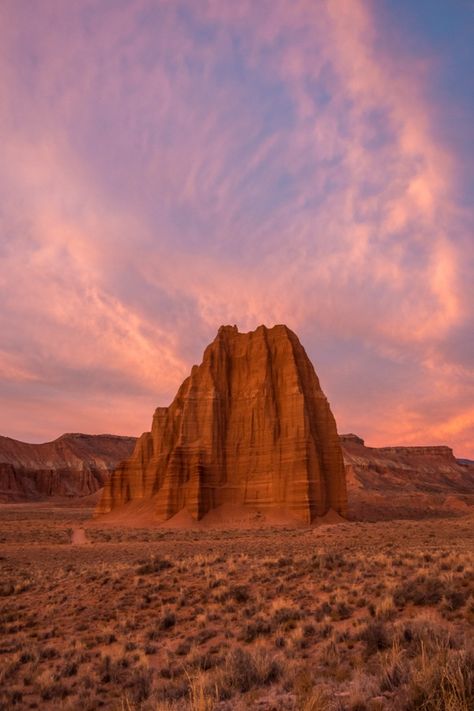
(249, 426)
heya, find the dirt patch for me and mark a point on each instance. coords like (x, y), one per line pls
(79, 537)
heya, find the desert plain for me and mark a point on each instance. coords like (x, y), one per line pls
(339, 616)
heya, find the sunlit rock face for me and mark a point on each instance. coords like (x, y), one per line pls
(250, 426)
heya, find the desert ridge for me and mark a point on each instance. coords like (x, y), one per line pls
(249, 428)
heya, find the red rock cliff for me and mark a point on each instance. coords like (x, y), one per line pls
(249, 426)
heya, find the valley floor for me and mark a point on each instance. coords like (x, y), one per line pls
(354, 616)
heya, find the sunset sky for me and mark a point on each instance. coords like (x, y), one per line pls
(168, 167)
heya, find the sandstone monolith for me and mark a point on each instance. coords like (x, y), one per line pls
(250, 426)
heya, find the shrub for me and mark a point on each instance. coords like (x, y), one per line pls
(69, 669)
(167, 621)
(375, 636)
(455, 599)
(49, 653)
(140, 683)
(341, 612)
(240, 593)
(54, 691)
(155, 565)
(285, 615)
(244, 670)
(255, 629)
(113, 670)
(420, 591)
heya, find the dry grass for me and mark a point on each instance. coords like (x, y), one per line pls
(355, 617)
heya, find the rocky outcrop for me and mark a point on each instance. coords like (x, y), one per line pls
(405, 482)
(73, 465)
(250, 426)
(350, 438)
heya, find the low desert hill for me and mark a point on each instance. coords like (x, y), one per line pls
(74, 465)
(405, 482)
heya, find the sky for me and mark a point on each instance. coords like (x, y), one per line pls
(171, 166)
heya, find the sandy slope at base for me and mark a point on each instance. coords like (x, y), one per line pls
(227, 516)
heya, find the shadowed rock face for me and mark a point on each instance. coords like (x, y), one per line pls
(73, 465)
(250, 426)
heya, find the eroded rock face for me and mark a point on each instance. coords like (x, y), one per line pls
(74, 465)
(249, 426)
(405, 482)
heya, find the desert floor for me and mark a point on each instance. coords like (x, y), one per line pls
(351, 616)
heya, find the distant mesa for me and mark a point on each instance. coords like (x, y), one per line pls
(406, 481)
(72, 466)
(249, 429)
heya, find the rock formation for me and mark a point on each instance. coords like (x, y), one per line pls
(73, 465)
(405, 482)
(250, 426)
